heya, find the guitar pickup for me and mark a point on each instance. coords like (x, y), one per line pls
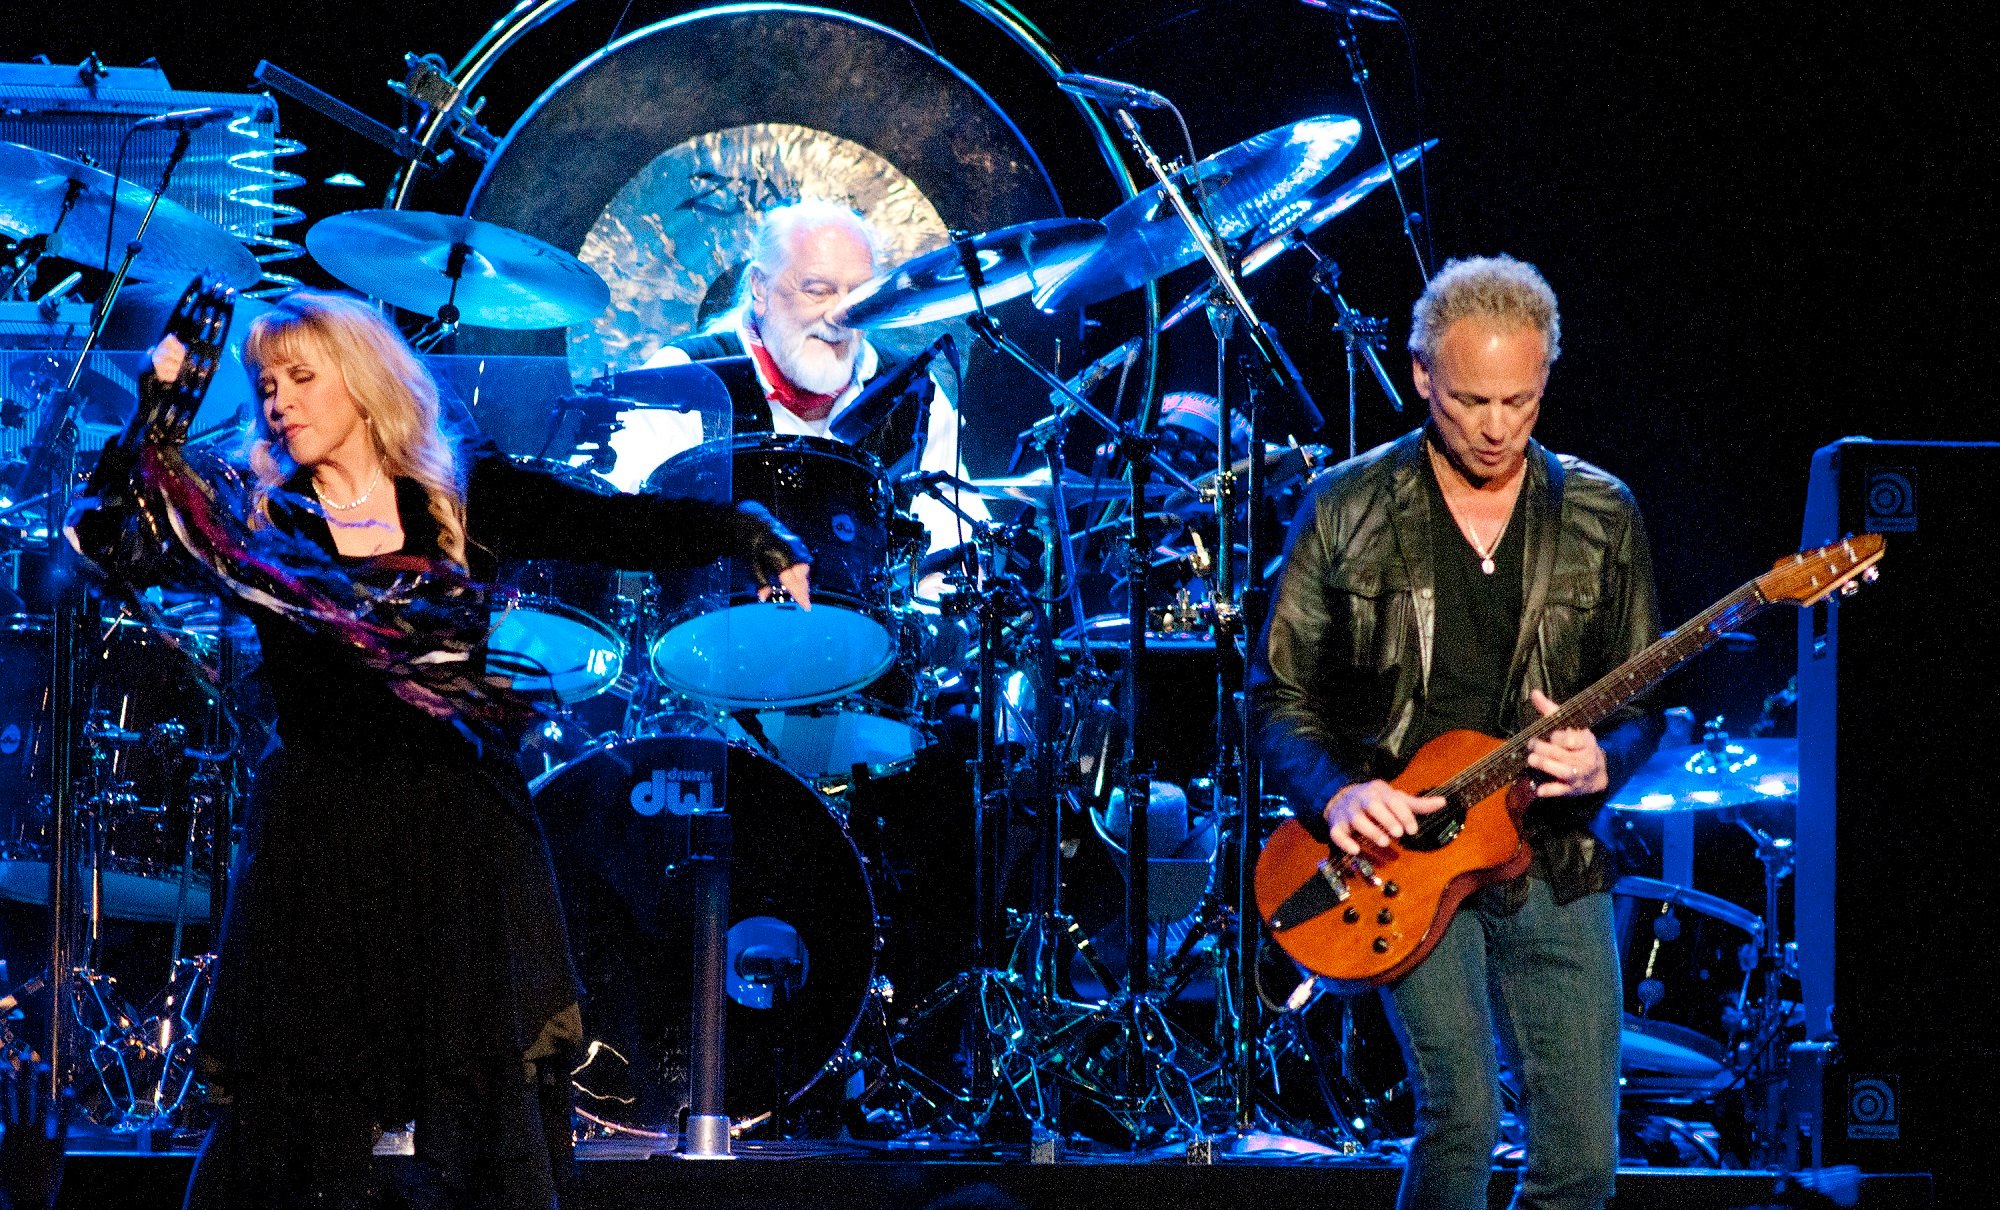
(1363, 869)
(1318, 896)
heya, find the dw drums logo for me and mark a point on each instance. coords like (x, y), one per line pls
(1872, 1108)
(675, 791)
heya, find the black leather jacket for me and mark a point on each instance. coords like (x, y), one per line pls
(1340, 674)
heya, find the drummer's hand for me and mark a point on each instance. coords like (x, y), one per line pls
(168, 358)
(1374, 813)
(1571, 758)
(794, 580)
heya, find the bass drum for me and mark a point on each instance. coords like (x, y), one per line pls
(798, 890)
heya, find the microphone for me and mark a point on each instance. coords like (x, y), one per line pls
(1115, 93)
(885, 392)
(1367, 10)
(186, 119)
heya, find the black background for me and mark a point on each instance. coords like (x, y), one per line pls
(1767, 223)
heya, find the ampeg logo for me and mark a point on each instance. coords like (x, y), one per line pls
(675, 791)
(1892, 499)
(1872, 1108)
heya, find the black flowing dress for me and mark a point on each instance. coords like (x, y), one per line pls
(394, 947)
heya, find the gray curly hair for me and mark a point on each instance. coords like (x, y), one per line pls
(1498, 290)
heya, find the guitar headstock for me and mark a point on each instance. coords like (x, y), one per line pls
(1807, 577)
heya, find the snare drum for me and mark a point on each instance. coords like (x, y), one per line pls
(718, 642)
(558, 641)
(1686, 957)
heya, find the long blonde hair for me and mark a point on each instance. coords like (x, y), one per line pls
(395, 394)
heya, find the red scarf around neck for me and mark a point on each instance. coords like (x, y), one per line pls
(806, 405)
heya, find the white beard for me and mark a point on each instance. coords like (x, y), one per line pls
(809, 363)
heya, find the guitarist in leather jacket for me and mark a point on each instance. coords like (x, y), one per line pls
(1463, 576)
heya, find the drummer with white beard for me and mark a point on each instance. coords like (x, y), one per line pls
(803, 368)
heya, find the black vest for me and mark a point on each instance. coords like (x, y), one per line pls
(723, 352)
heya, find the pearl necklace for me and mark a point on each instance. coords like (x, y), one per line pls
(359, 500)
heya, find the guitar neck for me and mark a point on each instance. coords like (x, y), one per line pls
(1499, 768)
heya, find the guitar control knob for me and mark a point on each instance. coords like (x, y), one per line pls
(1351, 915)
(1390, 889)
(1385, 916)
(1381, 945)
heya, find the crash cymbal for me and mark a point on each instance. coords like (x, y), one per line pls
(1248, 186)
(506, 279)
(1322, 206)
(1012, 261)
(179, 243)
(1078, 489)
(1693, 778)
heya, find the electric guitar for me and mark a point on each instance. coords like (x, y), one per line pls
(1362, 921)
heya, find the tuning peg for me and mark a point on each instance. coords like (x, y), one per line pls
(1871, 574)
(1850, 588)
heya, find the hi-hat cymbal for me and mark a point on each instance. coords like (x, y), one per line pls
(179, 243)
(1693, 778)
(1248, 186)
(506, 279)
(1012, 261)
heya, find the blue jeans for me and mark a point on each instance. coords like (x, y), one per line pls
(1543, 981)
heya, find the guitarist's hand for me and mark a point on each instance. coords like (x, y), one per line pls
(1571, 759)
(1374, 813)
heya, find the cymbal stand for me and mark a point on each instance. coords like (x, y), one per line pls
(1001, 1064)
(1358, 333)
(433, 333)
(54, 462)
(1764, 1027)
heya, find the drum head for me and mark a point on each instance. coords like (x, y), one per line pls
(772, 653)
(797, 887)
(554, 652)
(825, 743)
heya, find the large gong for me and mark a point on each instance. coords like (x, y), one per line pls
(655, 158)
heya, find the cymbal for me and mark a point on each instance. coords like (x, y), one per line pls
(1250, 185)
(508, 280)
(1691, 778)
(106, 405)
(179, 243)
(1325, 206)
(1013, 260)
(1078, 488)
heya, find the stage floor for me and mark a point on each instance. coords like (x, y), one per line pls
(823, 1177)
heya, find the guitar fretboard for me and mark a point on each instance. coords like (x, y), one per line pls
(1497, 769)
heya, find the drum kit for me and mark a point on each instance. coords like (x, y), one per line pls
(1010, 773)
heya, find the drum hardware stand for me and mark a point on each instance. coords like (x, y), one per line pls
(1003, 1067)
(705, 1133)
(1767, 1064)
(54, 462)
(445, 325)
(1359, 333)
